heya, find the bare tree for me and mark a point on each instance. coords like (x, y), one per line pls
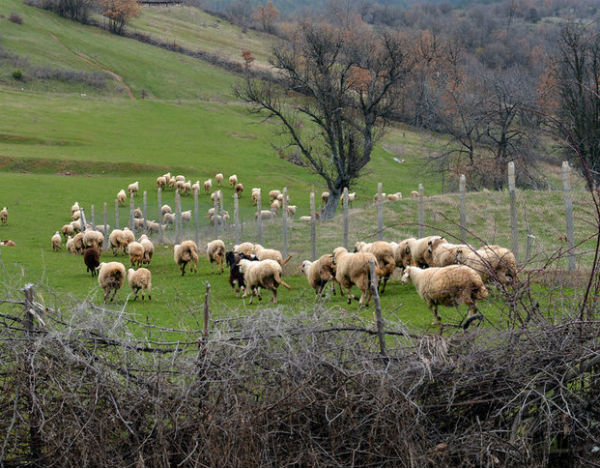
(345, 82)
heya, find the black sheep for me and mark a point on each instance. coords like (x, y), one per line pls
(235, 276)
(91, 258)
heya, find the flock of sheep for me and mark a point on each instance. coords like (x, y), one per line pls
(443, 273)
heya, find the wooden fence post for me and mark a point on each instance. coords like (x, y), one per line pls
(93, 217)
(145, 207)
(462, 186)
(569, 214)
(236, 219)
(513, 209)
(313, 227)
(285, 227)
(116, 214)
(259, 218)
(82, 220)
(375, 293)
(196, 218)
(217, 216)
(421, 213)
(222, 210)
(106, 230)
(379, 211)
(345, 206)
(177, 217)
(160, 215)
(131, 210)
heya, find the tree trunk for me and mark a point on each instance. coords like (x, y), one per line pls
(332, 203)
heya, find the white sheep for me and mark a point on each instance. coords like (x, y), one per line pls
(168, 218)
(154, 227)
(490, 262)
(67, 230)
(414, 194)
(384, 252)
(119, 240)
(148, 249)
(171, 183)
(56, 241)
(186, 252)
(219, 178)
(291, 210)
(394, 197)
(239, 188)
(104, 229)
(319, 272)
(74, 208)
(324, 197)
(220, 219)
(254, 194)
(441, 253)
(196, 187)
(215, 251)
(161, 182)
(137, 213)
(93, 238)
(186, 215)
(265, 215)
(275, 205)
(76, 215)
(121, 197)
(165, 209)
(136, 253)
(246, 248)
(376, 196)
(75, 244)
(133, 187)
(351, 198)
(76, 225)
(217, 195)
(353, 269)
(207, 185)
(273, 254)
(305, 218)
(447, 286)
(261, 274)
(4, 215)
(140, 279)
(274, 194)
(416, 249)
(111, 276)
(179, 177)
(233, 180)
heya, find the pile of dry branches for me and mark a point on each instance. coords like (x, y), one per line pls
(80, 388)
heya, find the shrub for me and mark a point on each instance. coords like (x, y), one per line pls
(17, 75)
(15, 18)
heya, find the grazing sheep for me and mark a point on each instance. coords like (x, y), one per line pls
(75, 244)
(215, 251)
(291, 210)
(324, 197)
(148, 249)
(207, 185)
(161, 182)
(254, 194)
(265, 215)
(395, 197)
(220, 219)
(376, 197)
(7, 242)
(186, 215)
(137, 213)
(233, 180)
(67, 230)
(92, 238)
(273, 254)
(111, 276)
(167, 177)
(414, 194)
(351, 198)
(56, 241)
(172, 183)
(353, 269)
(384, 253)
(76, 215)
(76, 225)
(261, 274)
(91, 259)
(186, 252)
(196, 187)
(153, 227)
(275, 207)
(274, 194)
(447, 286)
(165, 209)
(121, 197)
(236, 278)
(136, 253)
(168, 219)
(246, 248)
(319, 272)
(179, 177)
(239, 188)
(140, 279)
(490, 262)
(133, 187)
(305, 218)
(217, 195)
(219, 178)
(120, 239)
(186, 188)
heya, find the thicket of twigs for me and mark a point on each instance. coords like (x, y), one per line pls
(79, 387)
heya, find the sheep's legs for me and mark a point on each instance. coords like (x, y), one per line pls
(274, 300)
(436, 318)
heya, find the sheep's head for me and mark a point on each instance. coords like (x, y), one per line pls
(339, 251)
(359, 246)
(460, 256)
(305, 265)
(406, 274)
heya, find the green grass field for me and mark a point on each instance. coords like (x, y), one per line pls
(63, 141)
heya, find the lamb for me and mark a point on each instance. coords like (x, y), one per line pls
(239, 188)
(215, 250)
(207, 185)
(111, 276)
(353, 269)
(161, 182)
(490, 262)
(140, 279)
(219, 178)
(261, 274)
(165, 209)
(186, 252)
(245, 248)
(384, 253)
(273, 254)
(447, 286)
(233, 180)
(136, 253)
(274, 194)
(92, 238)
(133, 187)
(56, 241)
(265, 215)
(236, 278)
(91, 259)
(319, 272)
(121, 197)
(148, 249)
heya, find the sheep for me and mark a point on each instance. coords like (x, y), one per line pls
(56, 241)
(76, 225)
(402, 253)
(104, 229)
(275, 207)
(217, 195)
(273, 254)
(274, 194)
(291, 210)
(254, 194)
(394, 197)
(376, 197)
(76, 215)
(161, 182)
(207, 185)
(265, 215)
(133, 187)
(168, 219)
(239, 188)
(416, 249)
(91, 259)
(187, 188)
(154, 227)
(121, 197)
(148, 249)
(136, 253)
(186, 252)
(196, 187)
(67, 230)
(120, 239)
(92, 238)
(165, 209)
(384, 253)
(246, 248)
(441, 253)
(319, 272)
(261, 274)
(324, 197)
(353, 269)
(111, 276)
(179, 185)
(447, 286)
(186, 215)
(137, 213)
(219, 178)
(490, 262)
(220, 219)
(140, 279)
(172, 183)
(7, 242)
(138, 223)
(74, 208)
(351, 197)
(75, 244)
(305, 218)
(233, 180)
(179, 177)
(215, 251)
(414, 194)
